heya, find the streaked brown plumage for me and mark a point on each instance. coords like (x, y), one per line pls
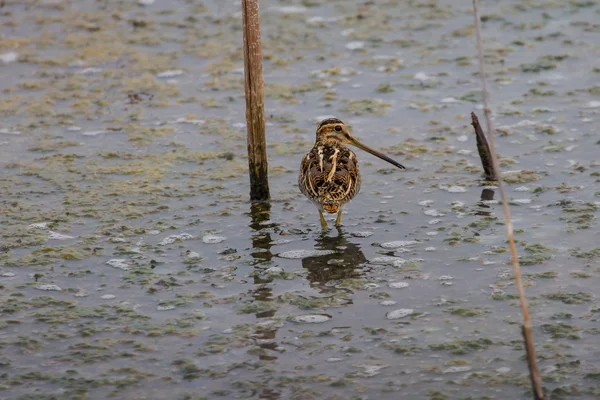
(329, 174)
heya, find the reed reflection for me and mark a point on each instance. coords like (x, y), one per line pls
(483, 208)
(264, 334)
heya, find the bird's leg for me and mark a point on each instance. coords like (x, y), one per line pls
(323, 222)
(338, 220)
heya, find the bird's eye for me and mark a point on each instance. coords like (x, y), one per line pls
(338, 128)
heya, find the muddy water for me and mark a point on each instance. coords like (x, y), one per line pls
(133, 266)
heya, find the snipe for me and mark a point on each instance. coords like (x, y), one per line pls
(329, 174)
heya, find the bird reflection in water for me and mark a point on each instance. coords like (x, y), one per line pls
(344, 263)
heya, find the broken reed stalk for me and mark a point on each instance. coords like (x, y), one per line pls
(483, 148)
(255, 99)
(534, 373)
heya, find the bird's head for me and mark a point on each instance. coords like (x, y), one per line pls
(333, 132)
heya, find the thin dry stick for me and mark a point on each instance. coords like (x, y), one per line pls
(534, 373)
(255, 99)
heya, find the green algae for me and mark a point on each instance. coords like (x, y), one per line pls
(465, 311)
(459, 347)
(562, 330)
(570, 297)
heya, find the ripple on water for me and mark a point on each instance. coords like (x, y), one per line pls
(310, 318)
(295, 254)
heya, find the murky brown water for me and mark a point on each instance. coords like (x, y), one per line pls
(132, 265)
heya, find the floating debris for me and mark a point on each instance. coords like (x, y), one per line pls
(166, 308)
(400, 313)
(49, 288)
(365, 234)
(387, 303)
(310, 318)
(119, 263)
(454, 189)
(8, 58)
(189, 121)
(274, 270)
(388, 260)
(170, 73)
(593, 104)
(108, 297)
(521, 201)
(398, 285)
(290, 9)
(280, 241)
(319, 20)
(182, 236)
(450, 100)
(422, 76)
(89, 71)
(455, 369)
(369, 370)
(96, 133)
(212, 239)
(371, 286)
(59, 236)
(433, 213)
(357, 45)
(298, 254)
(5, 131)
(398, 243)
(522, 189)
(39, 225)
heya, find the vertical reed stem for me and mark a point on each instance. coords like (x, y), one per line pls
(255, 117)
(534, 373)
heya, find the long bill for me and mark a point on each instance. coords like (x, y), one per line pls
(366, 148)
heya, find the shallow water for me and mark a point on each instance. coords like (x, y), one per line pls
(133, 265)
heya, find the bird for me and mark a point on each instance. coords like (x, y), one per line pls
(329, 174)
